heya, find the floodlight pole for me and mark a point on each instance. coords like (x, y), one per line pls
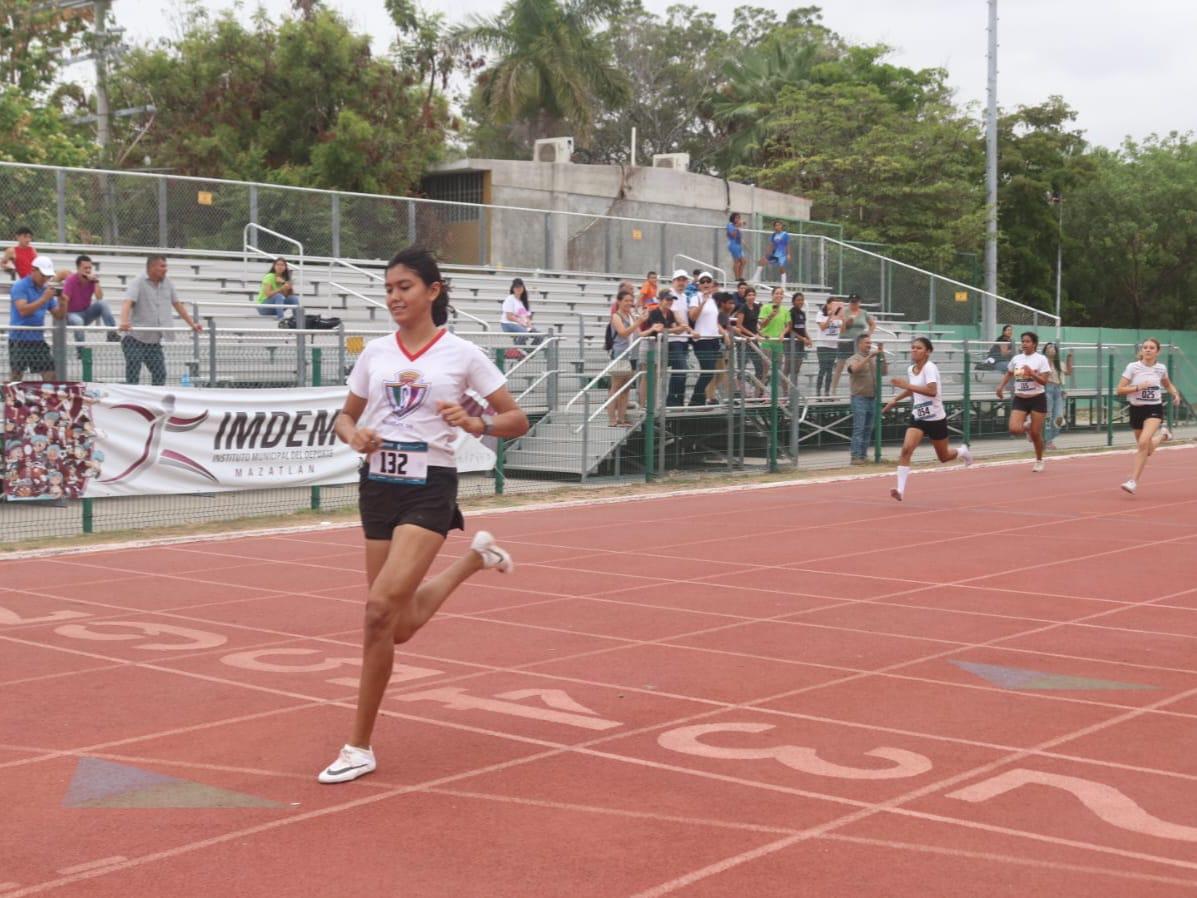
(1058, 200)
(103, 112)
(989, 304)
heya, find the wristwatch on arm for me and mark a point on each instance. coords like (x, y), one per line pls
(487, 421)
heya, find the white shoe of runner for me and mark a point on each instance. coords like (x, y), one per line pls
(1129, 487)
(492, 555)
(966, 455)
(351, 763)
(1038, 466)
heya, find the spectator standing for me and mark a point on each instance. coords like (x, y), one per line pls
(704, 318)
(625, 322)
(679, 338)
(692, 287)
(862, 382)
(517, 312)
(29, 300)
(1055, 393)
(276, 293)
(856, 322)
(85, 299)
(748, 327)
(727, 332)
(735, 244)
(773, 328)
(830, 322)
(18, 260)
(779, 248)
(145, 314)
(797, 337)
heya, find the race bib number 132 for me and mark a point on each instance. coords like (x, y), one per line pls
(405, 463)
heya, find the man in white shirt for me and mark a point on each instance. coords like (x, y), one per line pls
(704, 319)
(678, 340)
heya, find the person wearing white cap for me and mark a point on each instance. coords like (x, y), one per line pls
(704, 319)
(31, 297)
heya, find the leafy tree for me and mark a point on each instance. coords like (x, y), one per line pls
(1134, 229)
(672, 61)
(551, 67)
(1038, 153)
(300, 101)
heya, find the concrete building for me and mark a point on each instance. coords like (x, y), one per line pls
(609, 218)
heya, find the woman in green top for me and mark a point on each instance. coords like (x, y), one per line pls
(276, 292)
(774, 320)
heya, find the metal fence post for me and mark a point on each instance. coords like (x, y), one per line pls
(1101, 399)
(877, 378)
(301, 359)
(253, 207)
(195, 337)
(59, 339)
(1170, 408)
(336, 225)
(1110, 401)
(967, 424)
(585, 432)
(60, 198)
(500, 450)
(482, 253)
(317, 380)
(163, 223)
(774, 405)
(88, 511)
(411, 223)
(554, 356)
(211, 328)
(341, 353)
(650, 405)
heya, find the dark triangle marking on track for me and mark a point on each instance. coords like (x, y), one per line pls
(1022, 678)
(105, 784)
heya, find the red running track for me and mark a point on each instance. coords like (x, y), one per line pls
(989, 689)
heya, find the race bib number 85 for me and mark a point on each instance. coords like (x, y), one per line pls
(400, 463)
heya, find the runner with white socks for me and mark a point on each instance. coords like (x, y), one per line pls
(402, 413)
(1142, 383)
(1031, 371)
(928, 416)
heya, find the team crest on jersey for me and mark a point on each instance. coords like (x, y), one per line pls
(406, 393)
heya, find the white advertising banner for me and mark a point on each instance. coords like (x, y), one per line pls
(98, 440)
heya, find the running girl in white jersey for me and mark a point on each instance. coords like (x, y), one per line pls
(402, 413)
(1142, 384)
(1031, 371)
(928, 416)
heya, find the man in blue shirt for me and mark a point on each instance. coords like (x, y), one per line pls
(31, 297)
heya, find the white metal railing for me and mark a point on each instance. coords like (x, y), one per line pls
(625, 355)
(541, 378)
(610, 398)
(247, 248)
(542, 346)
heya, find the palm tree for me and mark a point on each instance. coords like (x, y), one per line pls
(551, 67)
(748, 91)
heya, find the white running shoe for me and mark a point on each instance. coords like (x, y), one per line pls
(1129, 487)
(492, 556)
(895, 494)
(1166, 434)
(1038, 466)
(351, 763)
(966, 455)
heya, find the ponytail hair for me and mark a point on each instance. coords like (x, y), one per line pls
(423, 263)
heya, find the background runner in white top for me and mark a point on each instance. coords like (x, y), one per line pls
(1028, 387)
(402, 391)
(1148, 379)
(926, 408)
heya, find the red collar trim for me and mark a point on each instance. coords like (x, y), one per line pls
(423, 349)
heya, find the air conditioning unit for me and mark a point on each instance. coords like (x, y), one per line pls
(553, 149)
(676, 161)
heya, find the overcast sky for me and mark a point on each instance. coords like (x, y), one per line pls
(1125, 67)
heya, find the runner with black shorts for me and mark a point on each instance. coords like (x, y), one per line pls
(403, 410)
(928, 416)
(1031, 371)
(1141, 384)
